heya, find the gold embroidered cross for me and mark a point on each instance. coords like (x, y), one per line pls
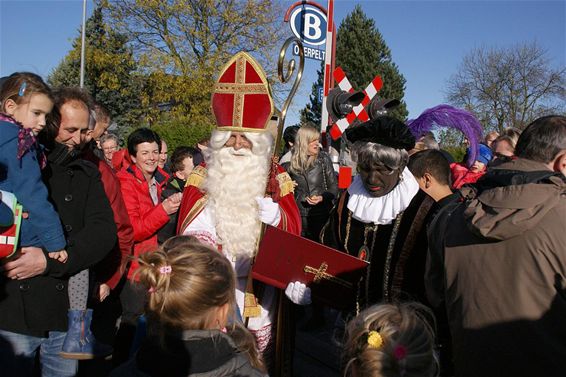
(320, 274)
(239, 88)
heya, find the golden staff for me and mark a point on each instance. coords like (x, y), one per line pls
(284, 78)
(283, 346)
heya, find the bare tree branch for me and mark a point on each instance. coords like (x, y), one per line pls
(508, 87)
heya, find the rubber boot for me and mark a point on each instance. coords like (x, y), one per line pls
(80, 343)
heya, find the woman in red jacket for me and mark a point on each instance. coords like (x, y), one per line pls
(141, 184)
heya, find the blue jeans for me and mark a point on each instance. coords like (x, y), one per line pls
(17, 355)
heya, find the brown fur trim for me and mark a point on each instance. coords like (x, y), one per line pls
(408, 245)
(340, 208)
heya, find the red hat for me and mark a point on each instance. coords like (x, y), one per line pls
(241, 100)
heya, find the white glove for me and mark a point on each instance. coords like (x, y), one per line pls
(298, 293)
(269, 212)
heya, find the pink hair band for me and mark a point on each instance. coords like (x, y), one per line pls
(165, 270)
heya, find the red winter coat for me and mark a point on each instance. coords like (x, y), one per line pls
(146, 218)
(111, 269)
(461, 175)
(121, 160)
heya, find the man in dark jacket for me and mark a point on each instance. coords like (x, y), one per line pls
(505, 262)
(33, 310)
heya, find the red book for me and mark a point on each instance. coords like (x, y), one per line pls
(333, 276)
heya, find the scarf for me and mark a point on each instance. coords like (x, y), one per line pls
(60, 154)
(26, 141)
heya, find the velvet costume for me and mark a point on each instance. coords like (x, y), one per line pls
(400, 277)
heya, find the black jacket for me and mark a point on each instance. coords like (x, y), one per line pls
(320, 179)
(174, 185)
(37, 305)
(196, 353)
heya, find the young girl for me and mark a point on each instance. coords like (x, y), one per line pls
(391, 341)
(191, 295)
(25, 102)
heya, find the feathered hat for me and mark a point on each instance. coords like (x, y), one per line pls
(241, 100)
(384, 130)
(450, 117)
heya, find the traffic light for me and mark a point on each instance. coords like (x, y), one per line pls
(340, 103)
(381, 106)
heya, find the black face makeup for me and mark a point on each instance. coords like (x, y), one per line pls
(379, 179)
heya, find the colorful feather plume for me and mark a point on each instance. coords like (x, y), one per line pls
(449, 117)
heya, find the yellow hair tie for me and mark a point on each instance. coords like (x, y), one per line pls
(374, 339)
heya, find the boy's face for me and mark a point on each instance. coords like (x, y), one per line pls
(477, 167)
(188, 167)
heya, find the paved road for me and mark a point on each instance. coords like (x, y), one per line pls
(316, 354)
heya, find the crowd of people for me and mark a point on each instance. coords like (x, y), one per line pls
(144, 260)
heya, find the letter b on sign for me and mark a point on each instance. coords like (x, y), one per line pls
(312, 31)
(308, 24)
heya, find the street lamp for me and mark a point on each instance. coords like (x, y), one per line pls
(82, 79)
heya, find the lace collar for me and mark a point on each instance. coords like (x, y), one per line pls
(382, 210)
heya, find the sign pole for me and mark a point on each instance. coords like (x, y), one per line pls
(328, 63)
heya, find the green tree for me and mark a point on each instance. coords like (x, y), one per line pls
(180, 47)
(177, 132)
(312, 111)
(109, 71)
(363, 54)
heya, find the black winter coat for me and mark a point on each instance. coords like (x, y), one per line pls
(174, 185)
(37, 305)
(319, 179)
(202, 353)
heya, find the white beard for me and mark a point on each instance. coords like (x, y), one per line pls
(234, 180)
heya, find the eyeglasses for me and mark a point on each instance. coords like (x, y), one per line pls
(110, 149)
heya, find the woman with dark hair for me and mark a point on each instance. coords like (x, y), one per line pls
(316, 187)
(289, 136)
(141, 183)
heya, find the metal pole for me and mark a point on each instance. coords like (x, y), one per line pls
(328, 63)
(82, 80)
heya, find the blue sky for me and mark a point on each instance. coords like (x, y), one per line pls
(428, 39)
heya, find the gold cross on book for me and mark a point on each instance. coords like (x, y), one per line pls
(320, 274)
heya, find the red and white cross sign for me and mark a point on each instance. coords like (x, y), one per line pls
(359, 111)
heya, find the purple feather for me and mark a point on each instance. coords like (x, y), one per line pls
(449, 117)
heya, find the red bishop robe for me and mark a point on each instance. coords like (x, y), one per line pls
(193, 211)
